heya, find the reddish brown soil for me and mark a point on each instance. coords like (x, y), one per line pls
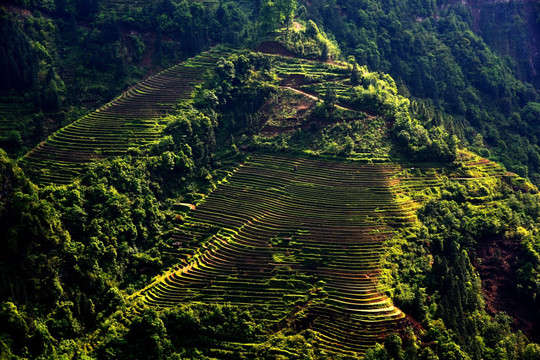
(147, 56)
(300, 106)
(294, 80)
(497, 268)
(149, 41)
(301, 110)
(273, 47)
(16, 9)
(411, 322)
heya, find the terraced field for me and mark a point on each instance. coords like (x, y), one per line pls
(133, 119)
(302, 237)
(313, 70)
(13, 116)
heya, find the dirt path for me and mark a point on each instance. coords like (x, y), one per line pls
(272, 48)
(317, 99)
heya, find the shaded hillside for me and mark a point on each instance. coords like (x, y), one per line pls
(511, 28)
(80, 55)
(433, 54)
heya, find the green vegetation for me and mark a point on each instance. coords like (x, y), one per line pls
(66, 58)
(461, 217)
(68, 249)
(321, 262)
(276, 204)
(136, 118)
(431, 51)
(308, 42)
(273, 14)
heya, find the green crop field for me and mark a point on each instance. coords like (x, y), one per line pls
(303, 240)
(134, 119)
(308, 239)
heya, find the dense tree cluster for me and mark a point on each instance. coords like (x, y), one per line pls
(68, 248)
(238, 88)
(18, 58)
(68, 56)
(429, 48)
(439, 286)
(309, 42)
(273, 14)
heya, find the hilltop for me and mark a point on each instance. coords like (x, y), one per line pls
(294, 194)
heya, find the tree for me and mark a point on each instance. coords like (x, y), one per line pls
(532, 352)
(392, 344)
(325, 52)
(330, 98)
(273, 14)
(285, 10)
(311, 29)
(355, 74)
(267, 16)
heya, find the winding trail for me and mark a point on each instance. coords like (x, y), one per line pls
(313, 97)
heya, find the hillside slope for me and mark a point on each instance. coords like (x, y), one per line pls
(305, 244)
(134, 119)
(294, 205)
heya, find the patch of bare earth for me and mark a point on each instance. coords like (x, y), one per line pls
(497, 267)
(285, 113)
(274, 48)
(295, 80)
(16, 9)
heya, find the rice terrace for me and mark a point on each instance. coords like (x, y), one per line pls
(269, 180)
(134, 119)
(300, 236)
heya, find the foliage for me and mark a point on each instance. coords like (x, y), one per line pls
(421, 144)
(436, 282)
(239, 86)
(273, 14)
(353, 137)
(72, 254)
(56, 68)
(431, 51)
(18, 59)
(310, 42)
(186, 331)
(68, 248)
(33, 239)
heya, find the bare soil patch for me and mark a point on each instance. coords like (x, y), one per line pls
(294, 80)
(273, 47)
(285, 113)
(497, 267)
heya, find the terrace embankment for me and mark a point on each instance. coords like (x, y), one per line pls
(304, 238)
(134, 119)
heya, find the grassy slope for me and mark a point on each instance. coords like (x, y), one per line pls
(133, 119)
